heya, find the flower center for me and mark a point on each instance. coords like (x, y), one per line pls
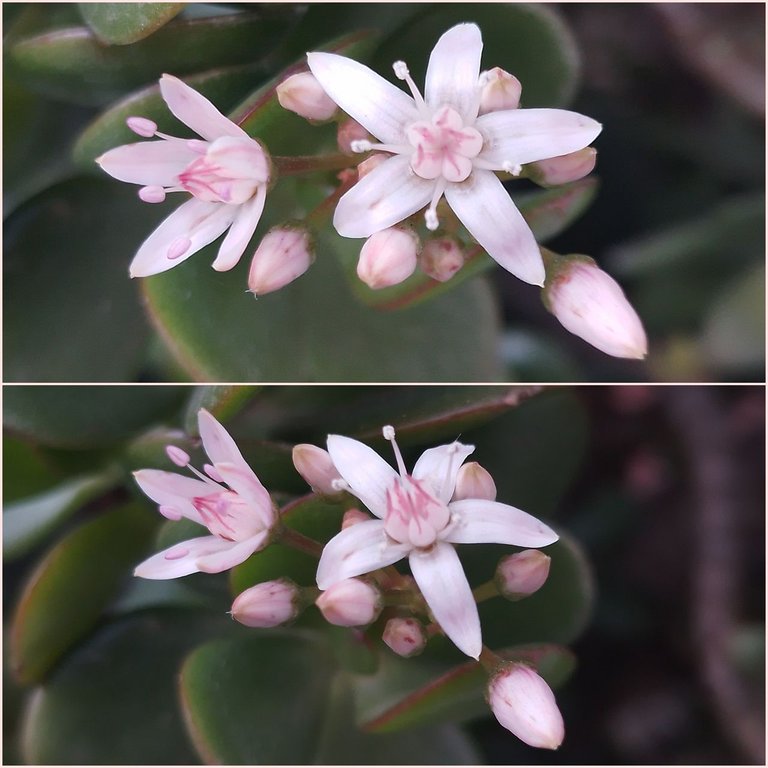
(226, 515)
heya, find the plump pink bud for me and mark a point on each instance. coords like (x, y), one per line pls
(524, 704)
(498, 90)
(590, 304)
(284, 254)
(315, 466)
(268, 604)
(142, 126)
(522, 574)
(353, 517)
(350, 603)
(178, 456)
(388, 257)
(406, 637)
(474, 482)
(441, 258)
(560, 170)
(348, 131)
(364, 168)
(303, 94)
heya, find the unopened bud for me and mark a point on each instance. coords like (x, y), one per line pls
(590, 304)
(374, 161)
(406, 637)
(353, 517)
(315, 466)
(303, 94)
(348, 131)
(524, 704)
(522, 574)
(388, 257)
(474, 482)
(268, 604)
(499, 90)
(350, 603)
(441, 258)
(283, 255)
(560, 170)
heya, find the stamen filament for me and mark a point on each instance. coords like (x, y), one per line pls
(402, 73)
(389, 434)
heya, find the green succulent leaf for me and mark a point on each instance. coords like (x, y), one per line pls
(222, 401)
(122, 23)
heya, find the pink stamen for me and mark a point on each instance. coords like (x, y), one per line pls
(179, 457)
(142, 126)
(210, 509)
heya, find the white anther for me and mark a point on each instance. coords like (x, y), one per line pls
(401, 70)
(339, 485)
(360, 145)
(514, 168)
(430, 217)
(388, 431)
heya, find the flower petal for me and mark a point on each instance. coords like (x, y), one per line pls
(380, 107)
(478, 521)
(356, 550)
(441, 579)
(199, 221)
(367, 474)
(241, 231)
(180, 559)
(172, 490)
(454, 70)
(389, 193)
(195, 111)
(243, 480)
(440, 466)
(520, 136)
(234, 554)
(487, 211)
(148, 162)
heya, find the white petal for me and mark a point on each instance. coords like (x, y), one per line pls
(389, 193)
(454, 69)
(487, 211)
(148, 162)
(243, 480)
(368, 475)
(526, 135)
(199, 221)
(241, 231)
(441, 580)
(180, 559)
(356, 550)
(488, 522)
(440, 466)
(234, 554)
(380, 107)
(195, 111)
(172, 490)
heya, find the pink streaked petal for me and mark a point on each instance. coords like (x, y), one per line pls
(217, 442)
(380, 107)
(180, 559)
(487, 211)
(454, 69)
(234, 554)
(149, 163)
(367, 474)
(477, 521)
(441, 579)
(242, 479)
(196, 220)
(241, 231)
(388, 194)
(356, 550)
(526, 135)
(195, 111)
(172, 490)
(440, 466)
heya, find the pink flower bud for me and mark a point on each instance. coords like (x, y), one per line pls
(388, 257)
(304, 95)
(405, 637)
(348, 131)
(522, 574)
(560, 170)
(499, 90)
(315, 466)
(283, 255)
(524, 704)
(441, 258)
(474, 482)
(364, 168)
(353, 517)
(350, 603)
(590, 304)
(268, 604)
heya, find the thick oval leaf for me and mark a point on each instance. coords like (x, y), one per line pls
(27, 470)
(70, 588)
(222, 401)
(121, 23)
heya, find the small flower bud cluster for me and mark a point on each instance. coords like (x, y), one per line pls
(302, 94)
(350, 603)
(268, 604)
(284, 254)
(522, 574)
(388, 257)
(315, 466)
(441, 258)
(406, 637)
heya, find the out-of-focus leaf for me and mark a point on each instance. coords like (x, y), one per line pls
(70, 588)
(122, 23)
(26, 470)
(222, 401)
(142, 594)
(532, 356)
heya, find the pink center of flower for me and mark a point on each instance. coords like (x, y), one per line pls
(226, 515)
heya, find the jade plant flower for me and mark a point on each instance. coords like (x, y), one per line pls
(439, 146)
(417, 519)
(227, 173)
(229, 500)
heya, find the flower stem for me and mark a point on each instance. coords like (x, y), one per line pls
(292, 538)
(293, 166)
(490, 660)
(485, 591)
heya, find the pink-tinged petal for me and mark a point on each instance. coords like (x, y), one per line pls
(356, 550)
(487, 211)
(150, 163)
(454, 70)
(380, 107)
(195, 111)
(236, 553)
(477, 521)
(192, 225)
(171, 490)
(440, 466)
(241, 231)
(441, 579)
(520, 136)
(388, 194)
(180, 559)
(242, 479)
(367, 474)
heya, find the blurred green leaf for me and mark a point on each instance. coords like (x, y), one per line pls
(121, 23)
(27, 470)
(222, 401)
